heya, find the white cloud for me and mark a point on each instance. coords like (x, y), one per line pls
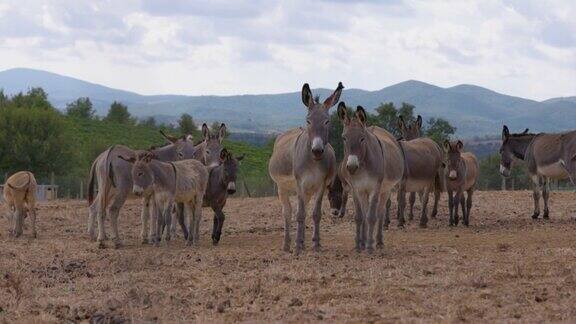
(524, 48)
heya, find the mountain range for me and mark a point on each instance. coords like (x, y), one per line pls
(474, 110)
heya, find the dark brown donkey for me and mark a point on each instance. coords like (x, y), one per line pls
(303, 162)
(409, 132)
(337, 196)
(547, 156)
(221, 183)
(373, 165)
(423, 158)
(461, 174)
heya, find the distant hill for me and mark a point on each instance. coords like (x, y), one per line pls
(474, 110)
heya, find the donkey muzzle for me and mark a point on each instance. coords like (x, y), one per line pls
(352, 164)
(317, 148)
(452, 175)
(231, 189)
(137, 190)
(504, 171)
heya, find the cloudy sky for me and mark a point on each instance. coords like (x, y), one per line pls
(522, 47)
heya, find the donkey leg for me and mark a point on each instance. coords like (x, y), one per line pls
(545, 196)
(221, 219)
(214, 227)
(92, 212)
(180, 217)
(468, 206)
(436, 200)
(411, 201)
(114, 211)
(536, 196)
(457, 199)
(18, 220)
(287, 213)
(101, 229)
(32, 209)
(401, 205)
(144, 216)
(382, 209)
(387, 213)
(464, 211)
(424, 200)
(342, 212)
(359, 218)
(198, 217)
(451, 207)
(316, 216)
(301, 221)
(168, 222)
(371, 219)
(189, 210)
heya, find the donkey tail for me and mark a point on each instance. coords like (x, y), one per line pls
(91, 182)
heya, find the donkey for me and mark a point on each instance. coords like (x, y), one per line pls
(20, 196)
(423, 158)
(114, 179)
(208, 152)
(547, 156)
(374, 165)
(303, 162)
(410, 132)
(461, 174)
(170, 182)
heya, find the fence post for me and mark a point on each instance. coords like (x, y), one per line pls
(81, 189)
(246, 188)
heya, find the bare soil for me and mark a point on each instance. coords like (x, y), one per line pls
(504, 267)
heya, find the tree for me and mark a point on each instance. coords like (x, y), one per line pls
(35, 139)
(186, 125)
(80, 108)
(119, 114)
(439, 130)
(35, 98)
(149, 122)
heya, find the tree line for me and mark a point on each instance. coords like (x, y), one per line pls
(36, 136)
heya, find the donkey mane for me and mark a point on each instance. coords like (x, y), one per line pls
(522, 135)
(317, 99)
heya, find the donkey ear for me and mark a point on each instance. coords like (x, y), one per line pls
(334, 97)
(343, 113)
(525, 131)
(170, 138)
(361, 115)
(205, 132)
(240, 158)
(307, 98)
(222, 132)
(419, 121)
(401, 123)
(189, 138)
(459, 145)
(130, 160)
(446, 145)
(224, 154)
(505, 132)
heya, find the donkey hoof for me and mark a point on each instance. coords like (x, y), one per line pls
(370, 250)
(286, 247)
(535, 215)
(101, 244)
(317, 248)
(144, 241)
(380, 245)
(423, 225)
(34, 235)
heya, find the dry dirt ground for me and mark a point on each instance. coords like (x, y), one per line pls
(505, 267)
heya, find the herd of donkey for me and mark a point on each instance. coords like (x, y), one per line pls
(179, 178)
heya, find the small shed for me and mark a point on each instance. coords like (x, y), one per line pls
(43, 192)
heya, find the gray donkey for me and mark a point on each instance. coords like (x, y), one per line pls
(170, 182)
(374, 165)
(303, 162)
(547, 156)
(422, 174)
(114, 179)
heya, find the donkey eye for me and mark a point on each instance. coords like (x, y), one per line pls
(362, 139)
(344, 138)
(308, 121)
(327, 122)
(207, 152)
(140, 174)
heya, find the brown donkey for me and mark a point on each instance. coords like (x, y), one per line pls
(303, 162)
(373, 165)
(461, 174)
(20, 196)
(423, 159)
(547, 156)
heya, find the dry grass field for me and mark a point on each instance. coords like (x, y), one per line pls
(505, 267)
